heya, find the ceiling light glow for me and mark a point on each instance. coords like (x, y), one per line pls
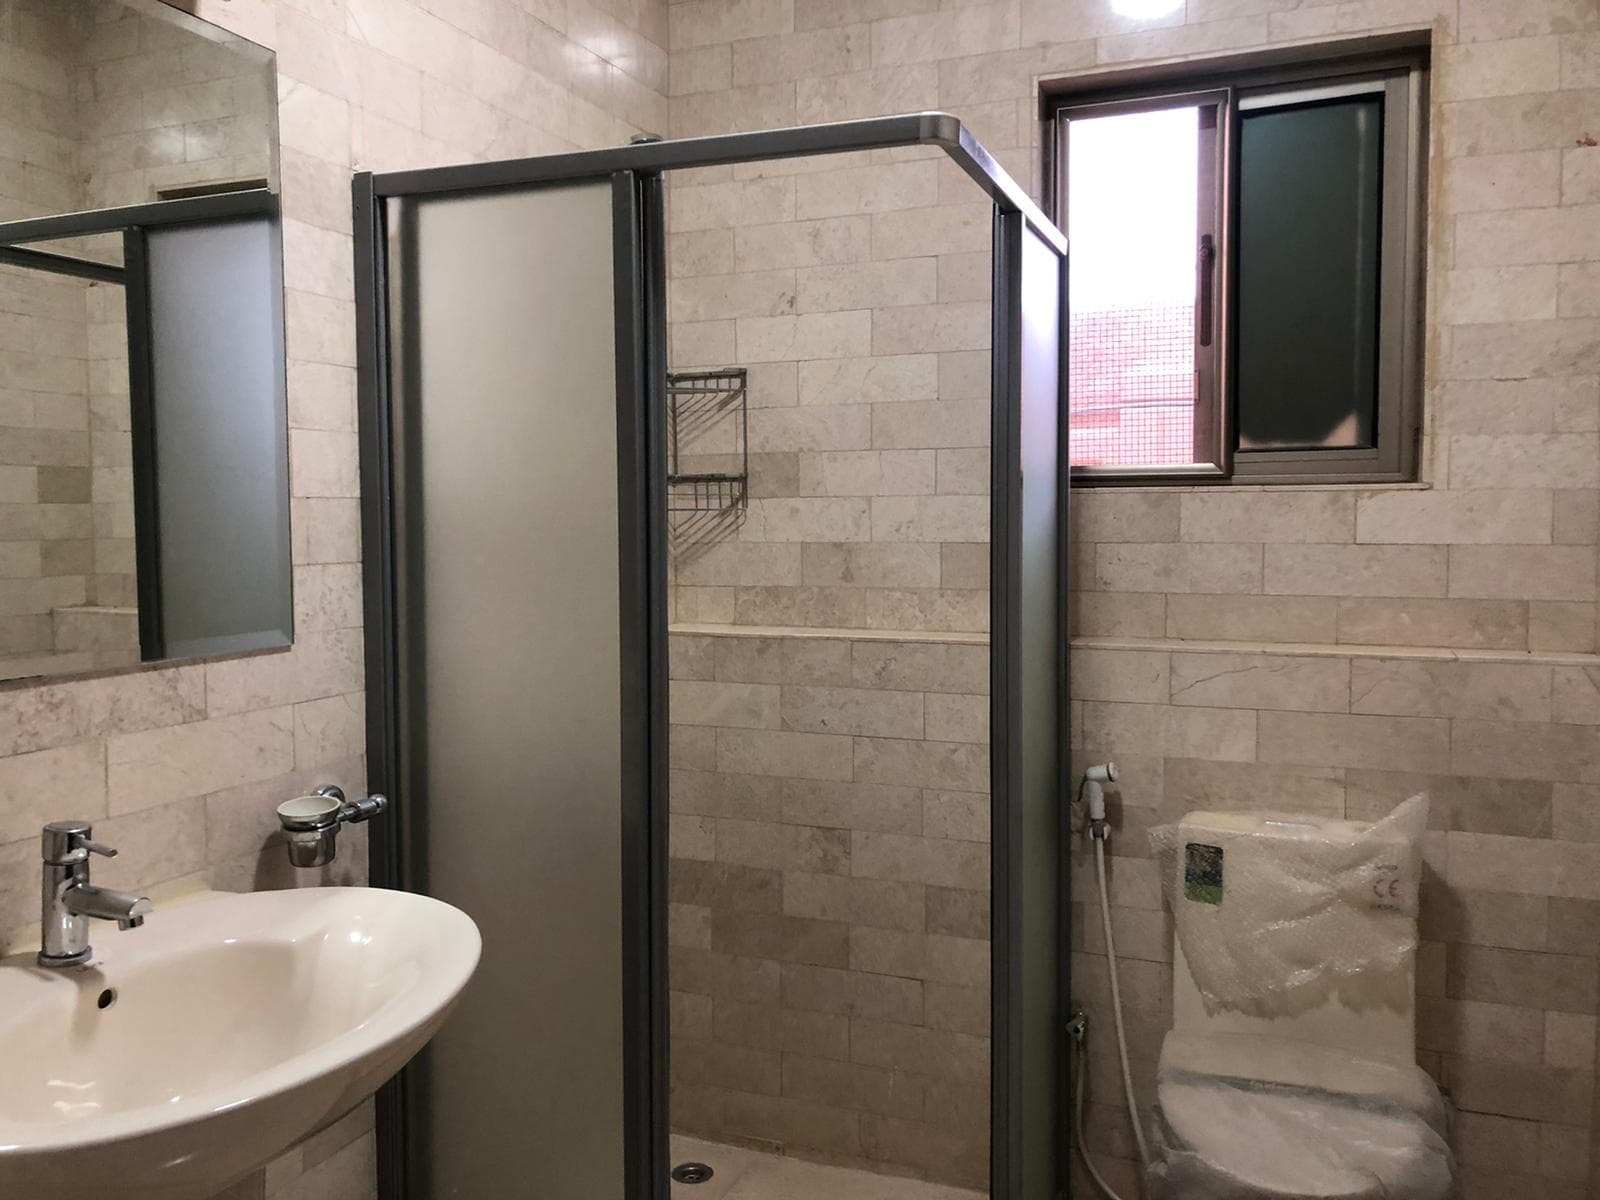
(1145, 10)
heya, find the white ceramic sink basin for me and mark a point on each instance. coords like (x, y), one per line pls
(232, 1027)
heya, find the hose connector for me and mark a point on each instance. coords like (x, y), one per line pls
(1077, 1026)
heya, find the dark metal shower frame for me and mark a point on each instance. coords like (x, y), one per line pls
(635, 171)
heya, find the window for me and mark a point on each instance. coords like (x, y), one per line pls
(1244, 280)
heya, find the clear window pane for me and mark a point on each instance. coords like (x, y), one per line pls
(1132, 196)
(1310, 227)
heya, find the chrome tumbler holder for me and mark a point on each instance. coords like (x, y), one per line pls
(311, 823)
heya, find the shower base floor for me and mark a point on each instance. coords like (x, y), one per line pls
(742, 1174)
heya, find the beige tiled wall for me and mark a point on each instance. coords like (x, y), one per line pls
(45, 519)
(113, 583)
(1329, 648)
(829, 897)
(46, 522)
(181, 766)
(867, 348)
(159, 107)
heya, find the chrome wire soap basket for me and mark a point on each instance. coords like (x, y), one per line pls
(708, 465)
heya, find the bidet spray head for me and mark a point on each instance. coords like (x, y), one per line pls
(1093, 792)
(1104, 773)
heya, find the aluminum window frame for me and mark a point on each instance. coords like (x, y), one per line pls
(1399, 69)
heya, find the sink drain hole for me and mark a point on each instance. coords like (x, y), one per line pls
(691, 1172)
(107, 998)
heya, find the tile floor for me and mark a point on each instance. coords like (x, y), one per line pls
(751, 1175)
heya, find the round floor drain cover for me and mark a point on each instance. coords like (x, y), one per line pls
(691, 1173)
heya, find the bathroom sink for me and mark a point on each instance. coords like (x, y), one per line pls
(192, 1051)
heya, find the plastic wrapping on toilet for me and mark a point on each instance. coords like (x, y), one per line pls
(1217, 1138)
(1331, 906)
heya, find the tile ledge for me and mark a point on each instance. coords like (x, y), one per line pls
(708, 629)
(1160, 489)
(1549, 658)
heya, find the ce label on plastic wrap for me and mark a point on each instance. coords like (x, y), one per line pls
(1388, 885)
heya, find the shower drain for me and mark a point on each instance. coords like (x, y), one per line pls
(691, 1172)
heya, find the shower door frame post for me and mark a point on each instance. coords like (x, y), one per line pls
(640, 302)
(1018, 1162)
(639, 210)
(395, 1106)
(1005, 700)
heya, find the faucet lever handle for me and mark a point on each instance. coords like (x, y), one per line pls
(65, 843)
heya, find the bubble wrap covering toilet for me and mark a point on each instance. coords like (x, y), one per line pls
(1295, 940)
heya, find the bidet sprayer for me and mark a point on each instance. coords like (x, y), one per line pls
(1093, 793)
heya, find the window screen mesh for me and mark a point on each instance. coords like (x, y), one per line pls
(1132, 200)
(1131, 386)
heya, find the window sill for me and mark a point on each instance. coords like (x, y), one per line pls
(1192, 486)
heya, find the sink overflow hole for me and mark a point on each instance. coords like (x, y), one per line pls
(691, 1172)
(107, 998)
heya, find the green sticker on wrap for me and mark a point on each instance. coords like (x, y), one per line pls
(1202, 873)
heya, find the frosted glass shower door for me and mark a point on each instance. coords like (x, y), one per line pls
(512, 712)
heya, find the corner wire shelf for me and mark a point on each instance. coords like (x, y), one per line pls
(699, 402)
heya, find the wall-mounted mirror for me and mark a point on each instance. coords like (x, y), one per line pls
(144, 498)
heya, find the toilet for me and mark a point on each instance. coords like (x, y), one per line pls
(1290, 1073)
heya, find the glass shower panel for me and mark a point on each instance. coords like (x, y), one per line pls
(507, 444)
(830, 658)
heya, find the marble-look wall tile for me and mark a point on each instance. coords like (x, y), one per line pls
(1121, 729)
(36, 784)
(1487, 691)
(1325, 569)
(1262, 681)
(144, 769)
(832, 873)
(1468, 624)
(1252, 618)
(1174, 567)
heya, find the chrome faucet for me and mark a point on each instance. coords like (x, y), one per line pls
(70, 900)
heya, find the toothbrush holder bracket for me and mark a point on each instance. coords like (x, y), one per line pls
(311, 823)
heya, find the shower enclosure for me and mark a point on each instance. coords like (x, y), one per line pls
(520, 454)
